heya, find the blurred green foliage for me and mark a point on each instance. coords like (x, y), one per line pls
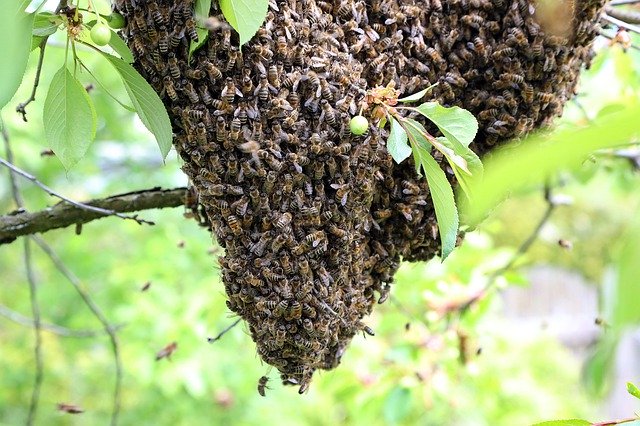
(423, 366)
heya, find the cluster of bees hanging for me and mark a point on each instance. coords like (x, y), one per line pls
(315, 220)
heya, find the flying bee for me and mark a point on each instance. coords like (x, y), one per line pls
(173, 65)
(262, 385)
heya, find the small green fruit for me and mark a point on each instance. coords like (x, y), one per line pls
(359, 125)
(100, 34)
(116, 21)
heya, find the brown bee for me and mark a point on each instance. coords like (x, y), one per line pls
(69, 408)
(190, 29)
(213, 72)
(155, 13)
(170, 88)
(229, 91)
(167, 351)
(262, 385)
(173, 65)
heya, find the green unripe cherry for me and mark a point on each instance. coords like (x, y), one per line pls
(359, 125)
(100, 34)
(116, 21)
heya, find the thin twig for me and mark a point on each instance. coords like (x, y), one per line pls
(56, 329)
(628, 16)
(223, 332)
(51, 192)
(33, 295)
(622, 2)
(21, 108)
(97, 312)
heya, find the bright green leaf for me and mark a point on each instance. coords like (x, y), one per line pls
(45, 24)
(466, 164)
(147, 103)
(633, 390)
(570, 422)
(455, 123)
(35, 42)
(397, 405)
(539, 157)
(120, 47)
(69, 118)
(397, 143)
(415, 97)
(203, 35)
(245, 16)
(441, 192)
(15, 44)
(420, 146)
(202, 9)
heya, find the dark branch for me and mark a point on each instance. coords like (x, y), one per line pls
(63, 214)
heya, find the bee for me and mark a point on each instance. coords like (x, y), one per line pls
(262, 385)
(284, 220)
(327, 113)
(229, 91)
(527, 93)
(262, 91)
(378, 62)
(69, 408)
(190, 28)
(455, 79)
(176, 37)
(233, 59)
(170, 88)
(173, 65)
(503, 53)
(234, 224)
(213, 72)
(204, 93)
(295, 310)
(545, 97)
(292, 80)
(191, 92)
(167, 351)
(234, 129)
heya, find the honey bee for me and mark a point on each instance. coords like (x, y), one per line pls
(229, 91)
(167, 351)
(173, 65)
(170, 88)
(262, 91)
(190, 29)
(191, 93)
(262, 385)
(176, 37)
(327, 113)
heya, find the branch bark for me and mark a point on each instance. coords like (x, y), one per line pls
(63, 214)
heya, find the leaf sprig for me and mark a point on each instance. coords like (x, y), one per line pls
(407, 136)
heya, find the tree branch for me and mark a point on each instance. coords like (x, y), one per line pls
(63, 214)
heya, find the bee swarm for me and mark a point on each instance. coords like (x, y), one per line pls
(315, 220)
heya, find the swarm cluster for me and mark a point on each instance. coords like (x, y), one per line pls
(313, 219)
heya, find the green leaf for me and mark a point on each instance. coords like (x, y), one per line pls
(15, 44)
(416, 96)
(441, 192)
(35, 42)
(570, 422)
(245, 16)
(472, 169)
(455, 123)
(203, 8)
(45, 24)
(539, 157)
(597, 367)
(203, 35)
(397, 143)
(147, 103)
(633, 390)
(621, 291)
(397, 405)
(120, 47)
(69, 118)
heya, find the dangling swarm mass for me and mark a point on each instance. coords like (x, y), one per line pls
(314, 220)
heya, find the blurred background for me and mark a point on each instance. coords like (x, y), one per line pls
(457, 344)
